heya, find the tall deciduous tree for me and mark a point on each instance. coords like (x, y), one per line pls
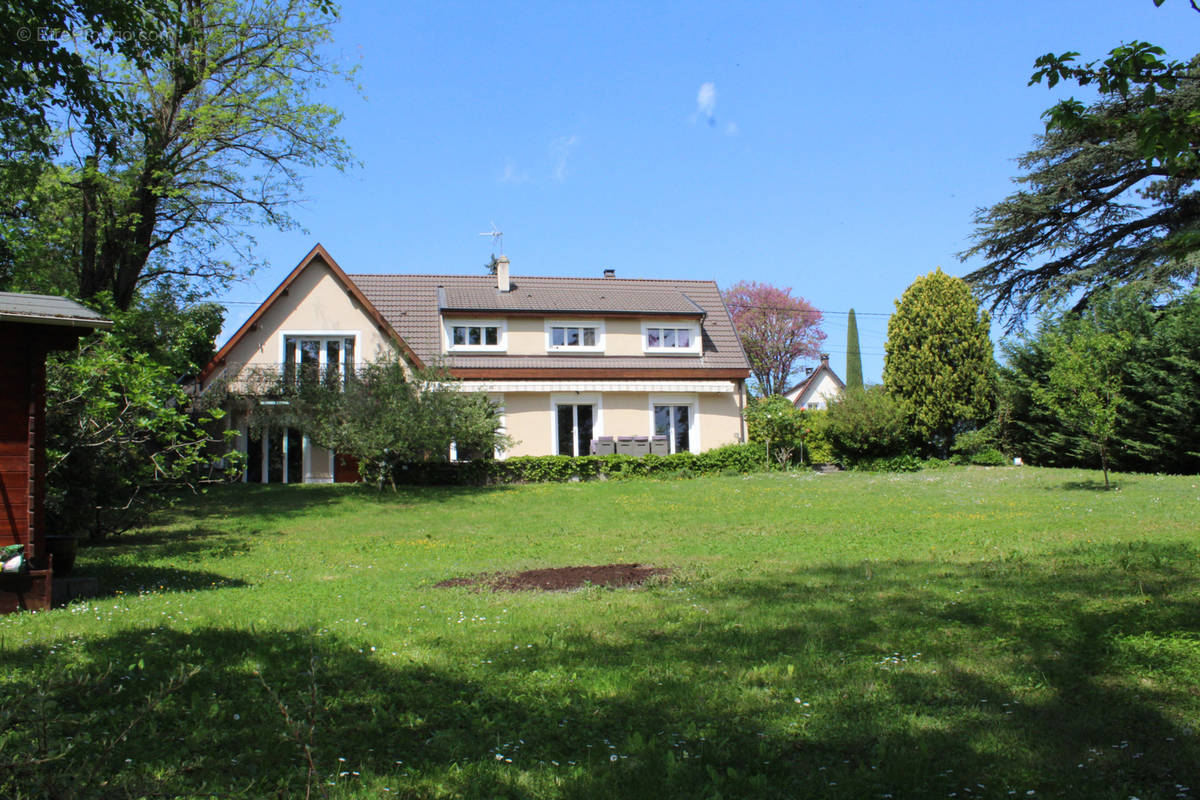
(1108, 195)
(854, 376)
(219, 132)
(43, 71)
(1084, 387)
(938, 358)
(777, 331)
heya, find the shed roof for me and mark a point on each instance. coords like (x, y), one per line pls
(45, 309)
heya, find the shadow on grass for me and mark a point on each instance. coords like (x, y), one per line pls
(124, 579)
(265, 502)
(1096, 486)
(900, 679)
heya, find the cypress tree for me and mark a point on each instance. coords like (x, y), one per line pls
(854, 378)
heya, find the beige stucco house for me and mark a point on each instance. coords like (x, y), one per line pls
(820, 385)
(566, 360)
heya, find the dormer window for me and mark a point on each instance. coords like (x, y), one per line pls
(477, 335)
(571, 336)
(671, 339)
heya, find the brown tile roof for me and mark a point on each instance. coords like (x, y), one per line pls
(556, 296)
(410, 303)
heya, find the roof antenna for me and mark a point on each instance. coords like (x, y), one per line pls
(497, 238)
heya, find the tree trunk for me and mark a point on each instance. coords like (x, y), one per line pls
(92, 277)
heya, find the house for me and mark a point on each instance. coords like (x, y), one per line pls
(31, 326)
(819, 386)
(566, 360)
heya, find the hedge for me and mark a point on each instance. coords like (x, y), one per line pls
(734, 458)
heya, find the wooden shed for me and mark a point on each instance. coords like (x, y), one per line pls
(31, 326)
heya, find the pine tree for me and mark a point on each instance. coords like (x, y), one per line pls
(854, 377)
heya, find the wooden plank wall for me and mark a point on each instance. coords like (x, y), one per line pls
(17, 465)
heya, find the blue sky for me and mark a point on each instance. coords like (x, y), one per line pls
(836, 148)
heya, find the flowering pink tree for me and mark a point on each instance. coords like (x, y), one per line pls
(776, 329)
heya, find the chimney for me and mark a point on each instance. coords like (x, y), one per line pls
(609, 272)
(502, 282)
(824, 359)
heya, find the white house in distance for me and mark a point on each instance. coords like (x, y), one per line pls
(566, 360)
(820, 385)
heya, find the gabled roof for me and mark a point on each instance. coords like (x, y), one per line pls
(321, 255)
(802, 387)
(411, 304)
(45, 309)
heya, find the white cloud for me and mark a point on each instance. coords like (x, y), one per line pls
(706, 101)
(560, 151)
(513, 175)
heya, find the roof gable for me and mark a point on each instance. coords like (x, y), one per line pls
(317, 256)
(797, 392)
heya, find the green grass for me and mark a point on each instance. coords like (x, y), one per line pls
(957, 633)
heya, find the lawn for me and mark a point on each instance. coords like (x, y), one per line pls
(966, 633)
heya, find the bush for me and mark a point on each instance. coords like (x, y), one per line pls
(867, 425)
(776, 424)
(902, 463)
(733, 458)
(969, 444)
(990, 458)
(818, 449)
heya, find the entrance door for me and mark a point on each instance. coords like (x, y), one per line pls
(574, 429)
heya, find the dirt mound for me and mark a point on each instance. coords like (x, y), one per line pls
(557, 579)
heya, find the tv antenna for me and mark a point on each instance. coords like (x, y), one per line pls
(497, 238)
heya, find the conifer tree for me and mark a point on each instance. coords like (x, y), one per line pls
(938, 358)
(854, 377)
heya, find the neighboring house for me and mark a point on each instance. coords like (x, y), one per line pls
(567, 360)
(819, 386)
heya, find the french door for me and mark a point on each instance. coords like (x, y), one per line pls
(575, 424)
(674, 422)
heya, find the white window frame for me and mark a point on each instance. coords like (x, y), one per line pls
(693, 349)
(324, 336)
(448, 326)
(502, 418)
(692, 400)
(598, 324)
(576, 399)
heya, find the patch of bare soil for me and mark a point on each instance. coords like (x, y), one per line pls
(558, 579)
